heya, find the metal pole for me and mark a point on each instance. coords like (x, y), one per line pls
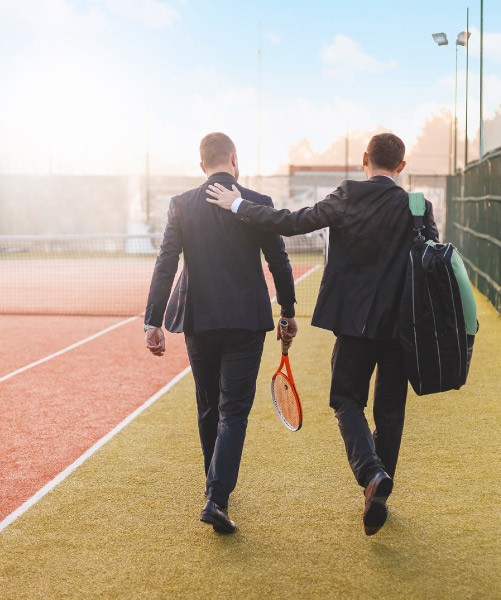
(258, 157)
(346, 161)
(147, 170)
(481, 126)
(466, 107)
(450, 144)
(456, 115)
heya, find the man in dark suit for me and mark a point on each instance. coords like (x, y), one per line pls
(221, 303)
(370, 238)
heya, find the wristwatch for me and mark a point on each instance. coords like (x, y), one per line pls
(146, 327)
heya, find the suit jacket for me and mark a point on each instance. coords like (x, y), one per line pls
(222, 285)
(369, 242)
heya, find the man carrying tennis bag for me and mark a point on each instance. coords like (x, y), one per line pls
(369, 243)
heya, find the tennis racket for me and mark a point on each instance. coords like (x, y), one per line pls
(283, 391)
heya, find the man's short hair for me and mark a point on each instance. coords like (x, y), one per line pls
(216, 149)
(386, 151)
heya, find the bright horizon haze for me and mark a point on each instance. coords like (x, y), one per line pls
(86, 85)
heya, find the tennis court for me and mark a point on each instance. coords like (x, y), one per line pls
(87, 408)
(70, 377)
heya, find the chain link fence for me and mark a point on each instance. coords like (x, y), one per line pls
(473, 222)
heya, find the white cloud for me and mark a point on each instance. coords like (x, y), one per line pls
(229, 99)
(492, 101)
(86, 17)
(410, 129)
(72, 112)
(51, 16)
(345, 55)
(234, 110)
(272, 37)
(153, 13)
(322, 124)
(492, 45)
(208, 77)
(492, 95)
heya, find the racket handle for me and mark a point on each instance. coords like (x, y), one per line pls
(284, 326)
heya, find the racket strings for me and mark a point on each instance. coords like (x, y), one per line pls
(285, 399)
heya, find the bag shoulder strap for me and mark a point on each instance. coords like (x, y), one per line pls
(417, 206)
(417, 203)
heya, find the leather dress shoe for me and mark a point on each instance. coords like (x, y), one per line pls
(376, 494)
(217, 517)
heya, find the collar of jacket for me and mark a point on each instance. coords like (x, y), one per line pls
(383, 179)
(221, 177)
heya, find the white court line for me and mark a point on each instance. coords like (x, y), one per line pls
(299, 279)
(68, 348)
(93, 449)
(79, 461)
(305, 275)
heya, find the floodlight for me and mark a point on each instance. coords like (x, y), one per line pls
(440, 38)
(463, 37)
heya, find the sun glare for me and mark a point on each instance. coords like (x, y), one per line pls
(72, 110)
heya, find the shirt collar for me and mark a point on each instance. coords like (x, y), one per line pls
(221, 176)
(386, 176)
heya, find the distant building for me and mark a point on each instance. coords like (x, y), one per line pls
(310, 183)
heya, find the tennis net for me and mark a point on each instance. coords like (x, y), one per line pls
(110, 274)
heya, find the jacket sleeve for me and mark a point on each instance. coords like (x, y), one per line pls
(326, 213)
(273, 248)
(431, 230)
(165, 268)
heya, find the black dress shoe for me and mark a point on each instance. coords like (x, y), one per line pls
(218, 517)
(376, 494)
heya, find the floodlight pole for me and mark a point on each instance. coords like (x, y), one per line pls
(147, 169)
(481, 125)
(450, 142)
(466, 107)
(441, 40)
(456, 114)
(259, 99)
(346, 154)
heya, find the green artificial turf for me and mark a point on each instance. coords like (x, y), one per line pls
(125, 524)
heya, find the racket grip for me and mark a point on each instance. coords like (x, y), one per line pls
(284, 326)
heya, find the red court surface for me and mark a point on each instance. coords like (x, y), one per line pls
(31, 337)
(55, 411)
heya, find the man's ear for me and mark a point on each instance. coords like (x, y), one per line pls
(401, 166)
(203, 167)
(365, 161)
(234, 160)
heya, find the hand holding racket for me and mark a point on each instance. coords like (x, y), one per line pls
(283, 390)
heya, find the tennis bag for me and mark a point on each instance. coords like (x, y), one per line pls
(437, 319)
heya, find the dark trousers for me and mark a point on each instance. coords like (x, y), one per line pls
(353, 362)
(225, 364)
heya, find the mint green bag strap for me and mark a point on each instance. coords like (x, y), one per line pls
(417, 203)
(417, 206)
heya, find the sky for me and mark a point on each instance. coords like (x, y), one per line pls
(86, 86)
